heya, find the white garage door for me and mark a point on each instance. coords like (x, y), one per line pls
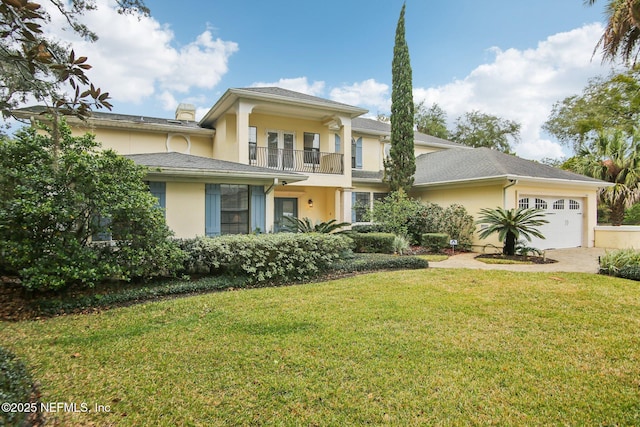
(564, 229)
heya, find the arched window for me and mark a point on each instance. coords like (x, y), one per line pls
(523, 203)
(574, 205)
(541, 204)
(558, 205)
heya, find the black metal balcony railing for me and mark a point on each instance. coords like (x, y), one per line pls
(296, 160)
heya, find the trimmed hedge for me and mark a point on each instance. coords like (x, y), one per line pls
(272, 258)
(380, 243)
(368, 228)
(435, 241)
(16, 386)
(373, 262)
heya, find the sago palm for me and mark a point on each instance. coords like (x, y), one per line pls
(511, 225)
(616, 159)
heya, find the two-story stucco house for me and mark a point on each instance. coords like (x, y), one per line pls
(262, 154)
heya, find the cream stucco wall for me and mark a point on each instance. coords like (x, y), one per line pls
(472, 197)
(185, 208)
(619, 237)
(324, 202)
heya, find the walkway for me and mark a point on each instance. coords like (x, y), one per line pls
(581, 260)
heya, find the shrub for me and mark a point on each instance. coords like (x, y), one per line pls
(372, 262)
(373, 242)
(305, 226)
(16, 386)
(458, 224)
(368, 228)
(396, 212)
(276, 258)
(436, 242)
(623, 263)
(56, 195)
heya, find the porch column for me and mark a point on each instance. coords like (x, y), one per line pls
(343, 201)
(242, 123)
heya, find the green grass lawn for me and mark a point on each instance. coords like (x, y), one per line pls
(435, 347)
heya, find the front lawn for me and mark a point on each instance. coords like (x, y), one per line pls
(437, 346)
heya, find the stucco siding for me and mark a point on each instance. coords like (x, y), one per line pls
(185, 208)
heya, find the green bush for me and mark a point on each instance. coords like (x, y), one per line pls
(55, 195)
(436, 242)
(273, 258)
(381, 243)
(459, 225)
(368, 228)
(372, 262)
(16, 386)
(623, 263)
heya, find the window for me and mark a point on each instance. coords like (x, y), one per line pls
(312, 148)
(361, 204)
(523, 203)
(387, 150)
(234, 209)
(356, 153)
(253, 143)
(558, 205)
(574, 205)
(541, 204)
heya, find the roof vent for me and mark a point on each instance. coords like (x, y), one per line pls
(186, 112)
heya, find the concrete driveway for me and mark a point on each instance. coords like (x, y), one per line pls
(581, 260)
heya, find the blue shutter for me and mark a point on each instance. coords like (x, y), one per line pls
(359, 153)
(212, 209)
(159, 191)
(338, 143)
(258, 208)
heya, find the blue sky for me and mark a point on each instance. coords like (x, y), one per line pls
(510, 58)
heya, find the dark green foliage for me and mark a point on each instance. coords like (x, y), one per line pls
(368, 228)
(432, 121)
(381, 243)
(632, 215)
(51, 196)
(458, 224)
(305, 226)
(399, 214)
(16, 386)
(477, 129)
(265, 258)
(623, 263)
(400, 167)
(510, 224)
(372, 262)
(436, 242)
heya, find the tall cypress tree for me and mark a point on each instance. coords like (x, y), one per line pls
(401, 164)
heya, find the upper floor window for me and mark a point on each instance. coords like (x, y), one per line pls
(312, 148)
(253, 142)
(356, 153)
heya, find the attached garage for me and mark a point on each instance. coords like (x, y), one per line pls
(566, 219)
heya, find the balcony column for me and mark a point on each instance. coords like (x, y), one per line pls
(243, 110)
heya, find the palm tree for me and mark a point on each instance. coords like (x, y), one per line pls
(511, 225)
(616, 159)
(622, 33)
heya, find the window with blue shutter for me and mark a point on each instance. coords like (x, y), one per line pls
(212, 209)
(258, 208)
(159, 191)
(356, 153)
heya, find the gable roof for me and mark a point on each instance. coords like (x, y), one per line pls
(189, 166)
(276, 100)
(460, 165)
(376, 127)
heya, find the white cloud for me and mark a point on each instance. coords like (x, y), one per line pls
(135, 57)
(297, 84)
(523, 85)
(369, 94)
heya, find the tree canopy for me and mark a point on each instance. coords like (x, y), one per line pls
(477, 129)
(606, 103)
(621, 37)
(432, 120)
(33, 65)
(400, 166)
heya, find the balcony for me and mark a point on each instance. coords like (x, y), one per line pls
(296, 160)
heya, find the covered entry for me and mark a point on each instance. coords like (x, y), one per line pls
(565, 216)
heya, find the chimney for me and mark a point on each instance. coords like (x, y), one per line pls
(186, 112)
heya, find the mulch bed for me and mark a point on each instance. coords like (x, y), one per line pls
(520, 258)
